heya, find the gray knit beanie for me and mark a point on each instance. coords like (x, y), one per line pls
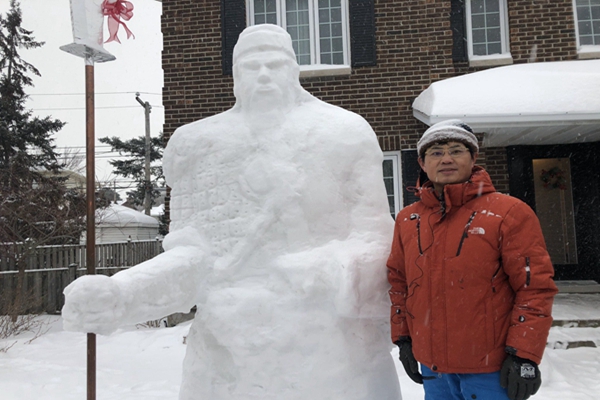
(452, 130)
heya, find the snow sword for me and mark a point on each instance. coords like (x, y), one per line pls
(87, 17)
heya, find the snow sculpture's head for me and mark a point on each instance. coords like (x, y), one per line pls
(265, 70)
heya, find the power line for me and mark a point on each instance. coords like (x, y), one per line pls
(96, 93)
(80, 147)
(83, 108)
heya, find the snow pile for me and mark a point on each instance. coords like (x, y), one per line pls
(566, 87)
(145, 364)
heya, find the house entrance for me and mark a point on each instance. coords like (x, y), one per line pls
(561, 184)
(552, 185)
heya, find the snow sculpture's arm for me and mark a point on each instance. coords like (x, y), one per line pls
(365, 286)
(352, 268)
(348, 274)
(168, 283)
(365, 190)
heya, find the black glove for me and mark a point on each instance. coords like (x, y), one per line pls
(408, 359)
(520, 377)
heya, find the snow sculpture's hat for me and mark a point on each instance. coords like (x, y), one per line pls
(87, 19)
(263, 37)
(452, 130)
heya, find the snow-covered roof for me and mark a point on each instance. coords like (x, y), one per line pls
(157, 211)
(117, 215)
(535, 103)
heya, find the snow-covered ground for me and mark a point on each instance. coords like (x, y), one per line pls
(145, 363)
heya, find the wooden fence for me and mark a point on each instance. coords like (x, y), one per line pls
(47, 270)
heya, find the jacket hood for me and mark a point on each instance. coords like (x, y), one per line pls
(457, 194)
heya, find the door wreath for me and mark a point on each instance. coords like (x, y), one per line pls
(554, 178)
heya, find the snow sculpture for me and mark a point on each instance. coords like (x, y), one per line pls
(280, 232)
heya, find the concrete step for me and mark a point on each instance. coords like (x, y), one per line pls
(577, 323)
(576, 316)
(568, 337)
(578, 286)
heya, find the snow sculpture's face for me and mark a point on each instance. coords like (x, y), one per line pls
(265, 80)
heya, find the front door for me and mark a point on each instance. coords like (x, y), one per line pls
(561, 184)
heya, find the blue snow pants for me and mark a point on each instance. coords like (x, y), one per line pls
(462, 386)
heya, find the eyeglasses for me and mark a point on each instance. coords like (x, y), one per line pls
(455, 152)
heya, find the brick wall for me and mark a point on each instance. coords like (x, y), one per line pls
(414, 49)
(542, 30)
(195, 87)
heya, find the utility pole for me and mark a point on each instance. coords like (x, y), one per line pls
(147, 184)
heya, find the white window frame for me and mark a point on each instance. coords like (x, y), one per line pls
(314, 68)
(394, 156)
(584, 51)
(493, 59)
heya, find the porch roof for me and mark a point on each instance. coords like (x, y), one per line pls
(524, 104)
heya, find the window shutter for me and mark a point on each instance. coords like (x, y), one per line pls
(459, 34)
(233, 22)
(362, 33)
(410, 174)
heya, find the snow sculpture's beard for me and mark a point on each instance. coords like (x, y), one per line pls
(268, 110)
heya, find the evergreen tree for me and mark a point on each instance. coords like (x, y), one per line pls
(35, 203)
(36, 207)
(133, 166)
(25, 141)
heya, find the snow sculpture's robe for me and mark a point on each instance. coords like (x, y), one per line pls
(295, 225)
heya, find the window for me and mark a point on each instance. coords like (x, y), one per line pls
(487, 29)
(318, 28)
(587, 15)
(391, 178)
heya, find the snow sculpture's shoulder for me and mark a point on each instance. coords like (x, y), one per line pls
(340, 123)
(195, 138)
(203, 130)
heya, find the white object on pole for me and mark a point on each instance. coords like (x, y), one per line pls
(87, 20)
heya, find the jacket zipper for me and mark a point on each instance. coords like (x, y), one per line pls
(494, 276)
(419, 235)
(527, 271)
(465, 233)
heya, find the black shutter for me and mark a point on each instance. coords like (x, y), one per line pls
(459, 32)
(410, 174)
(233, 22)
(362, 33)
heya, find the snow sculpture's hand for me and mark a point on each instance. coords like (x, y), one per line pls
(93, 303)
(343, 273)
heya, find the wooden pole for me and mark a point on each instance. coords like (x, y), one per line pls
(84, 22)
(90, 213)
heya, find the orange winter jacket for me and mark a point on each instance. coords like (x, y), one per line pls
(470, 276)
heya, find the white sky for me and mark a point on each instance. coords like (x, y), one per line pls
(60, 90)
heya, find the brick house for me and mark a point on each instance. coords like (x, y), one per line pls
(375, 57)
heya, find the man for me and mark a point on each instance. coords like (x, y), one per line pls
(279, 235)
(472, 286)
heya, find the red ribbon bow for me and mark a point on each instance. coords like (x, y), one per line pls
(119, 9)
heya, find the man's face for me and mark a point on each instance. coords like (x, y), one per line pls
(266, 79)
(447, 164)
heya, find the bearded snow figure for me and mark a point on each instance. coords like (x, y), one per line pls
(279, 235)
